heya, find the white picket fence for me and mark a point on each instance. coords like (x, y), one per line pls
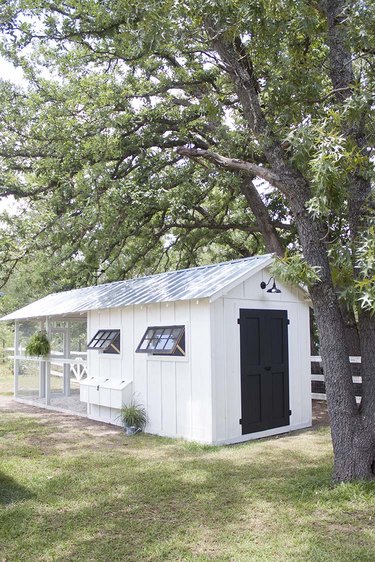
(316, 377)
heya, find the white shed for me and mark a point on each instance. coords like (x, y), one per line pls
(213, 354)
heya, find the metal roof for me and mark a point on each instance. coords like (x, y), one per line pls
(208, 281)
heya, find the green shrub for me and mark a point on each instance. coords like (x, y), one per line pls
(38, 345)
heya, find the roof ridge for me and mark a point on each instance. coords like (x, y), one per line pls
(171, 271)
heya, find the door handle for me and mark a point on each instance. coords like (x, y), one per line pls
(267, 368)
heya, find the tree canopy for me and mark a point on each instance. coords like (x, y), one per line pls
(144, 130)
(114, 90)
(98, 161)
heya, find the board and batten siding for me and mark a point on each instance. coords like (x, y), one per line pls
(225, 357)
(176, 391)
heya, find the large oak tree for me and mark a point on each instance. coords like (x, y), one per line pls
(146, 127)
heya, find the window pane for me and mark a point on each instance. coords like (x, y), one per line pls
(144, 344)
(170, 344)
(98, 343)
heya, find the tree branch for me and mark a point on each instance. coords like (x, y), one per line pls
(341, 70)
(240, 68)
(232, 164)
(288, 179)
(265, 225)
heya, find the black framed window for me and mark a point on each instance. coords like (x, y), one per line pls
(107, 341)
(163, 340)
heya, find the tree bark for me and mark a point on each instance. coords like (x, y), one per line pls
(341, 70)
(367, 341)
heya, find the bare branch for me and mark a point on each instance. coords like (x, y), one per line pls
(232, 164)
(265, 225)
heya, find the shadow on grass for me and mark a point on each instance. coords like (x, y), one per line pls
(161, 500)
(194, 510)
(197, 508)
(11, 491)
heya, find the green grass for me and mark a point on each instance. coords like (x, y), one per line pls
(6, 378)
(71, 489)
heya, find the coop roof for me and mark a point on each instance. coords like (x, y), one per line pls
(208, 281)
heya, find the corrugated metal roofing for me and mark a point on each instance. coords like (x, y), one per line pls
(184, 284)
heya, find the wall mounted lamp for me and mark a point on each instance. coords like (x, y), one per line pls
(273, 289)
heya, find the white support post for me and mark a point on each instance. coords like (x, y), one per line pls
(16, 361)
(42, 373)
(48, 382)
(47, 369)
(67, 365)
(66, 379)
(42, 379)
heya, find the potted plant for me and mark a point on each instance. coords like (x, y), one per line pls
(133, 416)
(38, 345)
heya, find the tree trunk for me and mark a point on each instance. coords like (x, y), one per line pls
(352, 433)
(352, 437)
(367, 332)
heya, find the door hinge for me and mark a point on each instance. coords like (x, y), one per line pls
(288, 321)
(238, 320)
(240, 421)
(290, 412)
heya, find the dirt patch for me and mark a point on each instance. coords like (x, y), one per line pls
(8, 404)
(319, 413)
(77, 426)
(65, 432)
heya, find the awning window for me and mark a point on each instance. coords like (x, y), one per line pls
(106, 341)
(163, 340)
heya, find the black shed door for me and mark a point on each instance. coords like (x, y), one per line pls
(264, 369)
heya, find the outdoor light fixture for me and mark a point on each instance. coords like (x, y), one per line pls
(273, 289)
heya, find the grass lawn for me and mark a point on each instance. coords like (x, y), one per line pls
(6, 378)
(76, 490)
